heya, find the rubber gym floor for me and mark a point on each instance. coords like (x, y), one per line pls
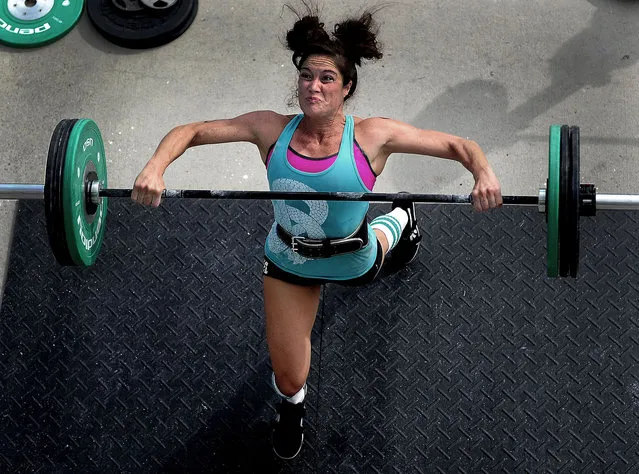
(468, 360)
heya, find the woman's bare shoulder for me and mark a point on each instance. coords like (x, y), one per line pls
(372, 129)
(269, 124)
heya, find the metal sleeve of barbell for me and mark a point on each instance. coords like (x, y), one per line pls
(617, 202)
(321, 196)
(21, 191)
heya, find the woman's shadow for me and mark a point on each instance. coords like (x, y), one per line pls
(480, 110)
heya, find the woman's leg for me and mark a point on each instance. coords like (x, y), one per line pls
(389, 228)
(290, 315)
(381, 237)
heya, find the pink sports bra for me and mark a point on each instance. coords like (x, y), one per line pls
(317, 165)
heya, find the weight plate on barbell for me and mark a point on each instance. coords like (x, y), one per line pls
(552, 201)
(30, 23)
(574, 214)
(141, 29)
(84, 223)
(54, 178)
(565, 247)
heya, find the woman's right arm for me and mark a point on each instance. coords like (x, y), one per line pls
(260, 128)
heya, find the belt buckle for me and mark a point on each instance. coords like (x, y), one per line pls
(295, 239)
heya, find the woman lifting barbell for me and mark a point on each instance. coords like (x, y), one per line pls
(321, 149)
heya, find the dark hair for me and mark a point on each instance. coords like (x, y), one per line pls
(353, 40)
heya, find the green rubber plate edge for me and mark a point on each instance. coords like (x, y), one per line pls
(552, 200)
(53, 26)
(84, 239)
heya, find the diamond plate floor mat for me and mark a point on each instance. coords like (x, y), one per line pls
(469, 360)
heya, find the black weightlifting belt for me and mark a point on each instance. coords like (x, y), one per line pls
(324, 248)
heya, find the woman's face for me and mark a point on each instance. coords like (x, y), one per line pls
(320, 86)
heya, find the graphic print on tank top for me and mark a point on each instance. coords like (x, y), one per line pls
(295, 220)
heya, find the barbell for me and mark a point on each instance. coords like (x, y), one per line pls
(75, 195)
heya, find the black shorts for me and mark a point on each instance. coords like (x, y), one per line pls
(272, 270)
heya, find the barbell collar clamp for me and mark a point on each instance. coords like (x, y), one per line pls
(541, 204)
(587, 200)
(93, 192)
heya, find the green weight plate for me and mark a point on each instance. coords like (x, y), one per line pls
(552, 200)
(53, 192)
(31, 23)
(84, 223)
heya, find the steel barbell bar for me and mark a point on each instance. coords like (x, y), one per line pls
(616, 202)
(95, 192)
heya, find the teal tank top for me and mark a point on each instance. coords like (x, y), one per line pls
(318, 219)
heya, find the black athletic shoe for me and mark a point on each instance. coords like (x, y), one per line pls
(408, 245)
(288, 430)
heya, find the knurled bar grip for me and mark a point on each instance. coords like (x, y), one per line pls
(323, 196)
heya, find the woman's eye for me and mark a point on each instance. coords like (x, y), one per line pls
(328, 78)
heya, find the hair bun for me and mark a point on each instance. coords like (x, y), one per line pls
(358, 38)
(307, 30)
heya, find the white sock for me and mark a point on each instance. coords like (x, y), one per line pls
(295, 399)
(392, 225)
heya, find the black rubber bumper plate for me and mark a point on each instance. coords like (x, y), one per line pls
(53, 199)
(574, 209)
(565, 200)
(141, 28)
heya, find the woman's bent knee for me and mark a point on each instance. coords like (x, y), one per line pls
(289, 384)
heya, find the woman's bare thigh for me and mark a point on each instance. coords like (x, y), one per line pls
(290, 315)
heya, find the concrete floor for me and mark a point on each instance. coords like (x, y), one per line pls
(498, 71)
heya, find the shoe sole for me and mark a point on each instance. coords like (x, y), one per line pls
(291, 457)
(414, 256)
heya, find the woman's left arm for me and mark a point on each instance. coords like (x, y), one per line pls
(393, 136)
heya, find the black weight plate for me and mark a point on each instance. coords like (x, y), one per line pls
(51, 204)
(128, 5)
(141, 29)
(564, 181)
(573, 216)
(53, 191)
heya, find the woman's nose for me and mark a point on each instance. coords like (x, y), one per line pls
(314, 84)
